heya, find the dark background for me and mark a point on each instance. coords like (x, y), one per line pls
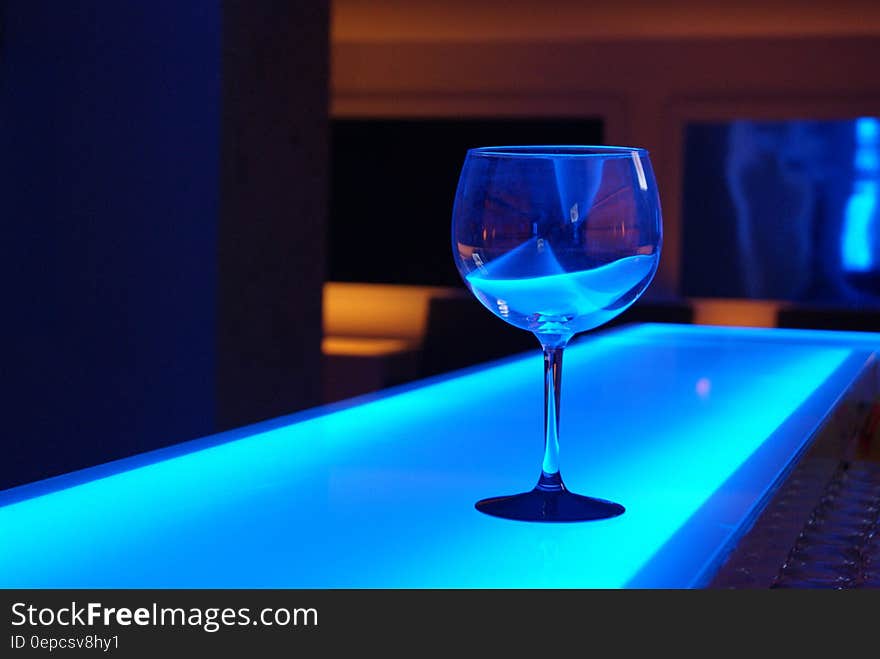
(165, 183)
(393, 183)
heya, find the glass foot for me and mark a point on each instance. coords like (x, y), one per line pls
(549, 506)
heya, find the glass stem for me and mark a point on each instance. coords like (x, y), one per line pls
(551, 479)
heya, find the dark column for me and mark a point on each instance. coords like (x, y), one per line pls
(273, 205)
(162, 176)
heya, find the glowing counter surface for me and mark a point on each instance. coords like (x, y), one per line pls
(690, 428)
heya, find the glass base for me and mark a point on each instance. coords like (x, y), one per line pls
(549, 506)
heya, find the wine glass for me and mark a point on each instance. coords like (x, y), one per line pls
(555, 240)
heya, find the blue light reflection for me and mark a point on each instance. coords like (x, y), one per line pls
(783, 210)
(859, 230)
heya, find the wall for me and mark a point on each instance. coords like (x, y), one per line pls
(109, 114)
(566, 20)
(117, 200)
(647, 68)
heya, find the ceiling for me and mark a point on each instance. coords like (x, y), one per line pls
(499, 20)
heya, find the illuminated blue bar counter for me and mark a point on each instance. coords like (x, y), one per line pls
(691, 428)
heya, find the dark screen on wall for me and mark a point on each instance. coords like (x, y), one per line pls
(392, 188)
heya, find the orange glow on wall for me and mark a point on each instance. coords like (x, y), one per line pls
(387, 311)
(365, 347)
(735, 313)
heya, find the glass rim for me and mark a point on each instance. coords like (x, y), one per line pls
(557, 150)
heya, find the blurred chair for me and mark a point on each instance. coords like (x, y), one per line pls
(380, 335)
(372, 335)
(734, 312)
(460, 332)
(645, 311)
(828, 318)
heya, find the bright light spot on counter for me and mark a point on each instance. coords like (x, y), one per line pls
(703, 387)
